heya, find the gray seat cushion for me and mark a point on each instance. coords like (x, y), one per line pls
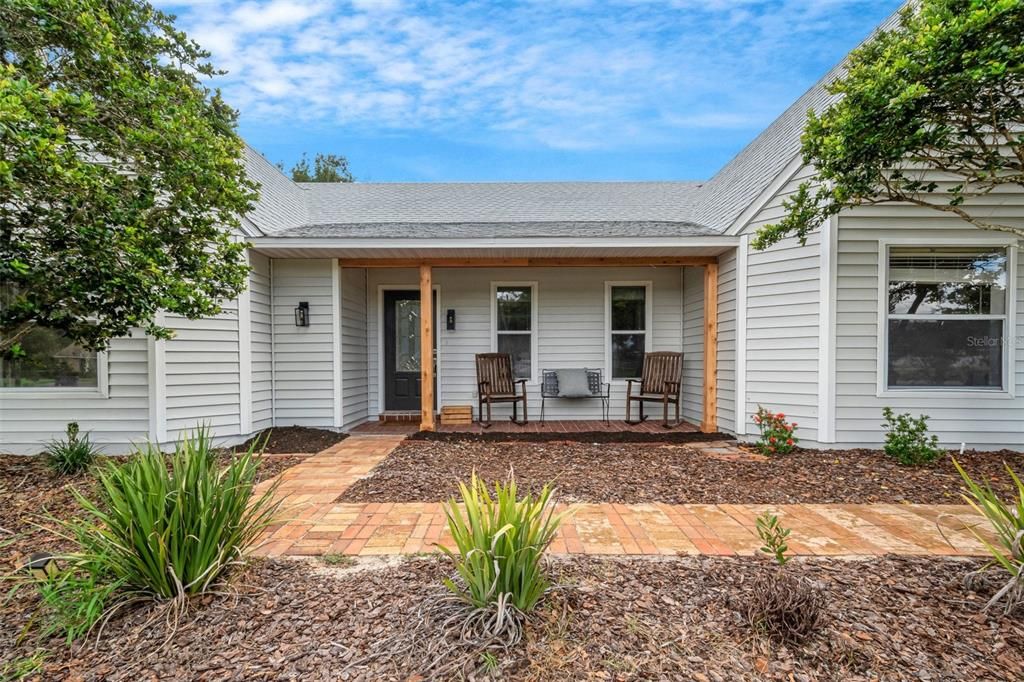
(572, 383)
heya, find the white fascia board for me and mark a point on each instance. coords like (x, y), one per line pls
(723, 241)
(773, 188)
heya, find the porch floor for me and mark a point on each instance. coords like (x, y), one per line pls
(504, 425)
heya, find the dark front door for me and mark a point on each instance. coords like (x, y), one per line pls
(402, 353)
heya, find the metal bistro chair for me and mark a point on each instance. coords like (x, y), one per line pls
(596, 388)
(659, 383)
(496, 383)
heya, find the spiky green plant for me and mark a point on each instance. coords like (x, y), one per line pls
(170, 528)
(500, 542)
(1006, 519)
(72, 455)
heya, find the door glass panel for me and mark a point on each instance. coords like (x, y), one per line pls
(407, 335)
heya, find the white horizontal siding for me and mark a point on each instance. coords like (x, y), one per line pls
(726, 341)
(571, 328)
(262, 343)
(693, 344)
(303, 356)
(354, 348)
(983, 422)
(782, 321)
(202, 374)
(29, 420)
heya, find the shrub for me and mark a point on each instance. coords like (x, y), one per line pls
(73, 455)
(778, 437)
(500, 542)
(774, 535)
(782, 605)
(907, 440)
(1006, 520)
(167, 529)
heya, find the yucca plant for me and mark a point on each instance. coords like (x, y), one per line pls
(500, 542)
(1006, 519)
(72, 455)
(170, 528)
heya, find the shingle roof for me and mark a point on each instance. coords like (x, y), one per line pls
(282, 203)
(492, 209)
(493, 202)
(501, 230)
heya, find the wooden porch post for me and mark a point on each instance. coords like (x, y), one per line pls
(709, 423)
(426, 349)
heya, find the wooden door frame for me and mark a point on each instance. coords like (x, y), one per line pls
(381, 288)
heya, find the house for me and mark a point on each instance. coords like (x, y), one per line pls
(890, 305)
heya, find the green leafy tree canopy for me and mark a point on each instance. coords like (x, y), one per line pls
(941, 93)
(121, 174)
(326, 168)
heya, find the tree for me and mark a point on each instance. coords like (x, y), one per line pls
(943, 92)
(120, 173)
(326, 168)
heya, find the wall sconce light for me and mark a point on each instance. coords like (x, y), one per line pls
(450, 320)
(302, 314)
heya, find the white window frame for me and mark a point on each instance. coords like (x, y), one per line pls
(100, 390)
(1009, 328)
(534, 324)
(608, 331)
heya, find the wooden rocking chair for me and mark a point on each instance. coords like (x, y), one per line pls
(659, 383)
(496, 383)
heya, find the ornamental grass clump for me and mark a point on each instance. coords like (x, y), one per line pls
(74, 454)
(500, 543)
(778, 437)
(1006, 520)
(780, 604)
(168, 527)
(465, 630)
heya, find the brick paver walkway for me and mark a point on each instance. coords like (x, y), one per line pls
(314, 524)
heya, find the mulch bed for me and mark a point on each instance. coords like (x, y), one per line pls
(619, 619)
(675, 474)
(294, 439)
(30, 492)
(570, 437)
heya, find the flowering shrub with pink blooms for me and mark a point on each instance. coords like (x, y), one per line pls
(778, 437)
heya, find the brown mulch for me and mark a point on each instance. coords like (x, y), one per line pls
(570, 436)
(30, 492)
(618, 619)
(675, 474)
(293, 439)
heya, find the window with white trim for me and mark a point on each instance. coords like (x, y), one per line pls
(515, 326)
(946, 317)
(628, 325)
(48, 359)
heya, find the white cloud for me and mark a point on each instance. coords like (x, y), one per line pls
(580, 75)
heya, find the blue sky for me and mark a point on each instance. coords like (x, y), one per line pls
(533, 90)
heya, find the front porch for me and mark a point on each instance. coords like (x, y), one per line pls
(554, 426)
(566, 317)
